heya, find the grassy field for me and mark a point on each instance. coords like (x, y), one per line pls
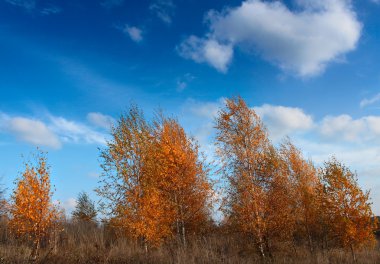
(90, 244)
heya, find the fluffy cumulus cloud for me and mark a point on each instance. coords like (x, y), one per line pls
(344, 127)
(134, 33)
(282, 121)
(30, 130)
(301, 41)
(54, 131)
(210, 51)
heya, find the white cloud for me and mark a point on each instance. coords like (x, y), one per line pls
(134, 33)
(209, 51)
(282, 121)
(163, 9)
(344, 127)
(69, 205)
(301, 42)
(369, 101)
(353, 141)
(100, 120)
(53, 131)
(30, 130)
(71, 131)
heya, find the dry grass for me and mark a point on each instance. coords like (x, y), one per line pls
(91, 244)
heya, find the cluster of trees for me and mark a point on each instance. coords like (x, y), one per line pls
(156, 187)
(274, 195)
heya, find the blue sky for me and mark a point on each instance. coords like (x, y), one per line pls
(311, 69)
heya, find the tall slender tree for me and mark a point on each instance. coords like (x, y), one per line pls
(257, 202)
(181, 176)
(304, 184)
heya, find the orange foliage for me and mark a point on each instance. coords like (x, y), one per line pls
(153, 180)
(347, 211)
(33, 216)
(181, 177)
(304, 184)
(257, 195)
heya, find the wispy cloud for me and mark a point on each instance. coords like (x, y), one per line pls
(101, 120)
(74, 132)
(35, 6)
(163, 9)
(26, 4)
(369, 101)
(53, 131)
(50, 10)
(184, 81)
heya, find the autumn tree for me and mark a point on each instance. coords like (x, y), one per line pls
(304, 184)
(347, 209)
(154, 181)
(180, 174)
(84, 211)
(256, 202)
(33, 215)
(128, 191)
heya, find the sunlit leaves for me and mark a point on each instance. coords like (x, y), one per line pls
(154, 184)
(347, 211)
(33, 216)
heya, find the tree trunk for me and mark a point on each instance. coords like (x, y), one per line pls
(353, 253)
(183, 232)
(310, 240)
(36, 249)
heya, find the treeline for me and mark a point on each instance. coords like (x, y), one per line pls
(157, 188)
